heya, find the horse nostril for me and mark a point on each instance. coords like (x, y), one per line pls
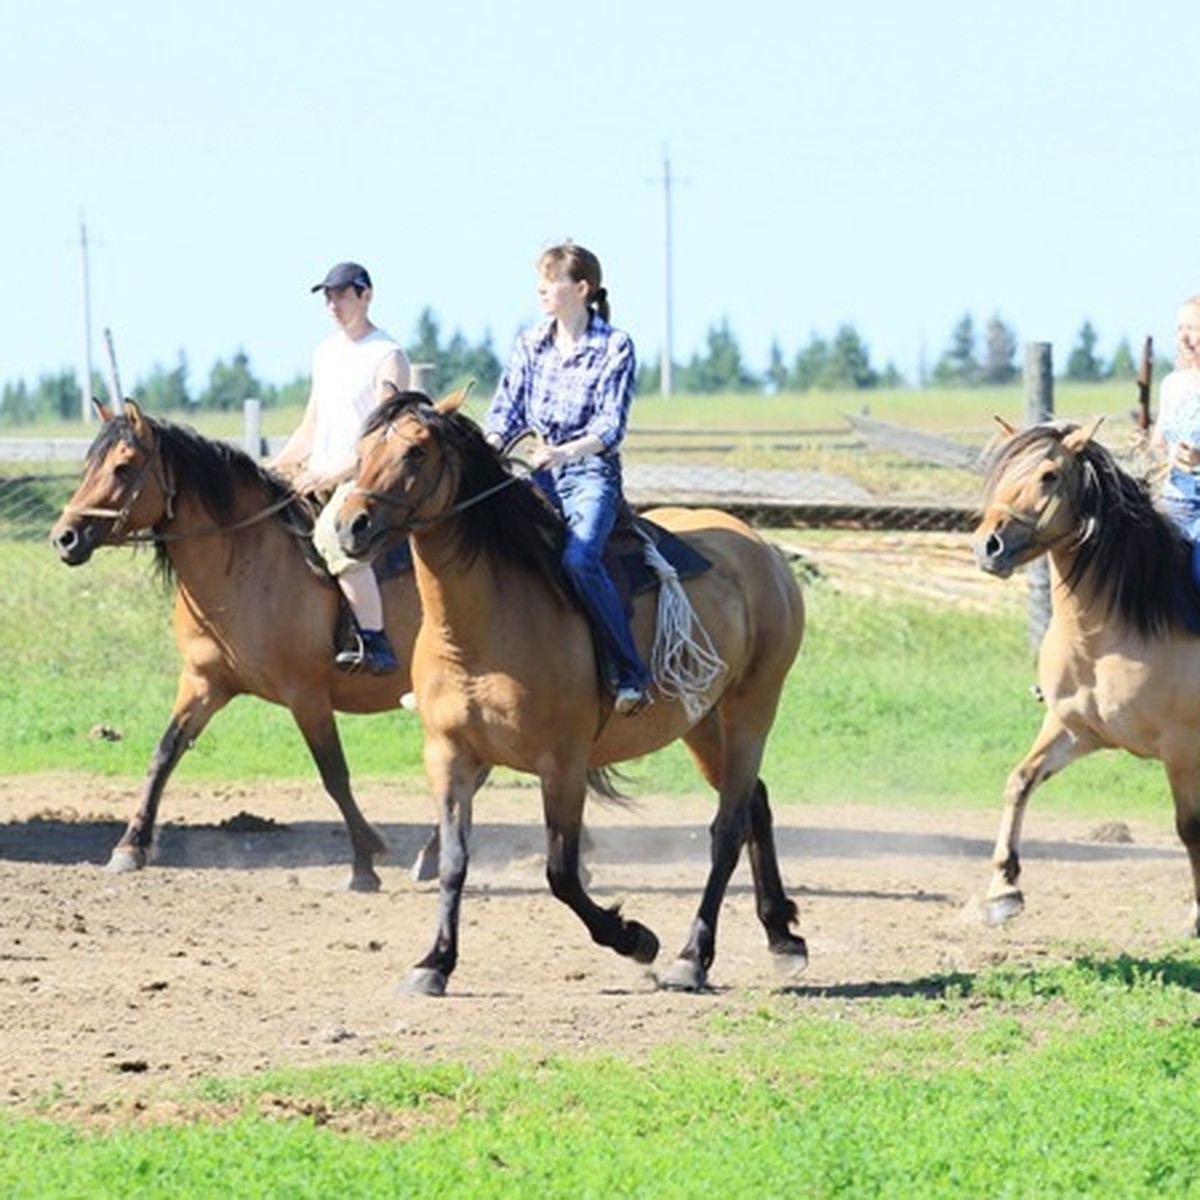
(994, 546)
(360, 524)
(65, 540)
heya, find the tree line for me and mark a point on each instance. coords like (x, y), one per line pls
(840, 363)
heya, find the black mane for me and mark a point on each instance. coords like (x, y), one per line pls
(210, 471)
(1134, 555)
(514, 522)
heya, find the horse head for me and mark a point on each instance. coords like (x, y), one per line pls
(125, 487)
(1031, 498)
(406, 477)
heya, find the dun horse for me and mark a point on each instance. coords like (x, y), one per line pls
(1117, 668)
(505, 672)
(251, 616)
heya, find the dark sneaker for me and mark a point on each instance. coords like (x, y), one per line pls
(631, 699)
(372, 652)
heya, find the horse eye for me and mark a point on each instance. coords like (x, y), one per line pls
(1050, 479)
(122, 471)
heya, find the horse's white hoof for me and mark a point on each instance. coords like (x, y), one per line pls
(999, 909)
(683, 975)
(124, 862)
(425, 981)
(789, 964)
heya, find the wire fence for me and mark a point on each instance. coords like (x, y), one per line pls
(883, 478)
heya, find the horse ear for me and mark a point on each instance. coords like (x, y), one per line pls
(454, 401)
(1009, 430)
(102, 409)
(1078, 438)
(134, 413)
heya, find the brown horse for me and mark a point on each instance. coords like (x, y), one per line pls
(505, 672)
(1117, 667)
(251, 615)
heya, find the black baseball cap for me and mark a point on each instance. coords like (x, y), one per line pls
(344, 274)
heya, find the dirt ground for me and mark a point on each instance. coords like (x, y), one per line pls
(238, 950)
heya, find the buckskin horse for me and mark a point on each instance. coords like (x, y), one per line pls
(252, 616)
(505, 672)
(1118, 666)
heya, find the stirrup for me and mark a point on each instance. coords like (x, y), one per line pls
(371, 651)
(631, 700)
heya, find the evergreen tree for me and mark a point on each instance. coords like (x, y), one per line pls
(165, 391)
(231, 384)
(1122, 365)
(777, 372)
(848, 364)
(999, 353)
(1083, 366)
(721, 369)
(810, 364)
(958, 366)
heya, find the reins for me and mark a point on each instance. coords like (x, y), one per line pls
(461, 506)
(120, 516)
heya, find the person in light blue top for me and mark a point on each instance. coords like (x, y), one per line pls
(570, 381)
(1176, 432)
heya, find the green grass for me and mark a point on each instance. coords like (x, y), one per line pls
(1070, 1080)
(889, 702)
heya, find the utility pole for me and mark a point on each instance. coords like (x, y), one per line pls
(85, 384)
(667, 338)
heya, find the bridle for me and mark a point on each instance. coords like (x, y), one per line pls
(413, 523)
(152, 460)
(1039, 523)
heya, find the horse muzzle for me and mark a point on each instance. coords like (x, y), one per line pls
(74, 543)
(996, 553)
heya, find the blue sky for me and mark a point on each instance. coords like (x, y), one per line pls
(888, 166)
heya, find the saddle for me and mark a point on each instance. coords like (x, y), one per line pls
(625, 555)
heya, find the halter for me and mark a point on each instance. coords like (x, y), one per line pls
(415, 523)
(1037, 524)
(120, 516)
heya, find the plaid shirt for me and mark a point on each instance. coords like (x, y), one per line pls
(563, 399)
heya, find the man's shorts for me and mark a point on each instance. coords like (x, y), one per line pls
(325, 536)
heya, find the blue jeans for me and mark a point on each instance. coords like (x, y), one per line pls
(588, 493)
(1186, 514)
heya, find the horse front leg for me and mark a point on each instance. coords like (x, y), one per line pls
(319, 728)
(1185, 791)
(454, 784)
(1054, 748)
(194, 708)
(563, 809)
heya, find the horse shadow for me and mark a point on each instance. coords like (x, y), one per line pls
(1123, 969)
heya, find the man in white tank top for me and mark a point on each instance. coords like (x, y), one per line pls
(349, 368)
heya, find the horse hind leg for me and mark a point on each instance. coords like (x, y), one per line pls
(776, 911)
(325, 746)
(1185, 791)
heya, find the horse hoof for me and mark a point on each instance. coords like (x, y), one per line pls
(683, 975)
(123, 861)
(999, 909)
(363, 881)
(790, 960)
(645, 947)
(425, 981)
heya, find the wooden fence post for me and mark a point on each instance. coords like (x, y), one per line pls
(1039, 408)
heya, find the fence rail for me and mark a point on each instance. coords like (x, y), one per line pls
(866, 475)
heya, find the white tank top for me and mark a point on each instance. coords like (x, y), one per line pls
(343, 389)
